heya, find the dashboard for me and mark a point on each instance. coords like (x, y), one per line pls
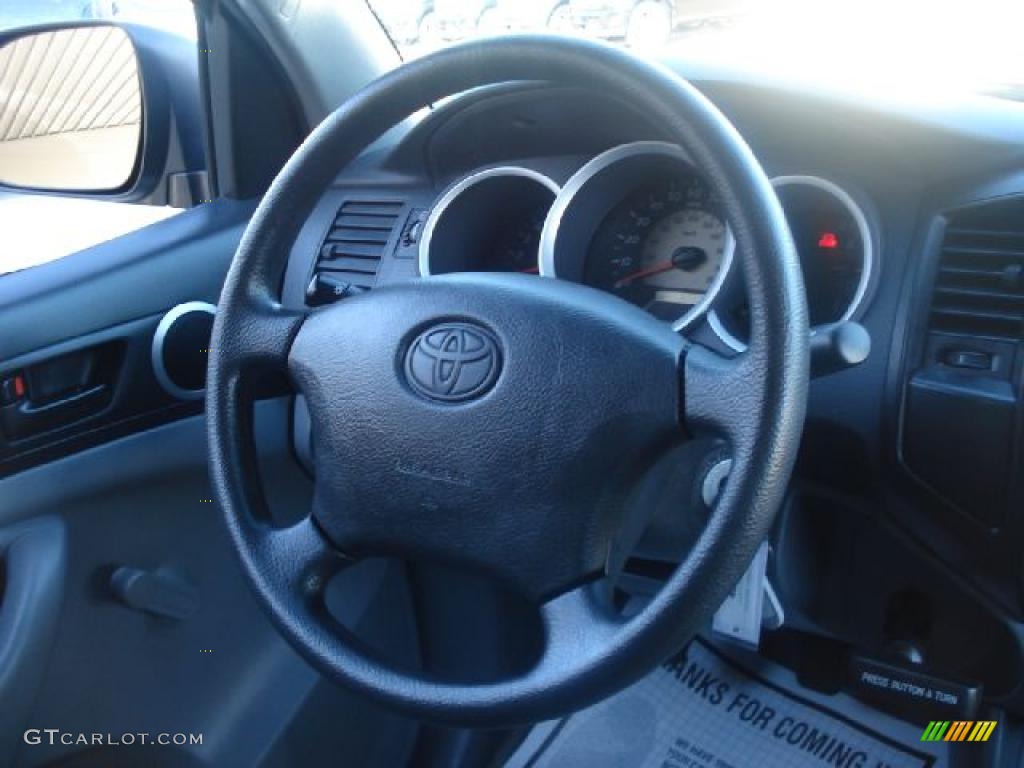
(908, 222)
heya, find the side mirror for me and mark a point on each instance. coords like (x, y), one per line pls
(70, 110)
(102, 111)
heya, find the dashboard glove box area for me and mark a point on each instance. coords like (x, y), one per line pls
(959, 439)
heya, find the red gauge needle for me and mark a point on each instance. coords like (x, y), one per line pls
(654, 269)
(530, 270)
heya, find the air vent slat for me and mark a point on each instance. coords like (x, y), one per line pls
(355, 250)
(373, 208)
(977, 293)
(364, 266)
(976, 233)
(994, 274)
(979, 286)
(350, 235)
(998, 253)
(352, 249)
(1001, 317)
(383, 222)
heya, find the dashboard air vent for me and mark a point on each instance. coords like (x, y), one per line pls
(979, 287)
(352, 249)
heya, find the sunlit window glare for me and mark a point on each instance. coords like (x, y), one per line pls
(939, 46)
(936, 46)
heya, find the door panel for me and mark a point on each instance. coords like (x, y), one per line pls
(32, 564)
(126, 487)
(141, 503)
(223, 672)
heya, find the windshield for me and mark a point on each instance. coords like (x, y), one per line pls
(942, 46)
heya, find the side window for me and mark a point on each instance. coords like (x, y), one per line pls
(73, 117)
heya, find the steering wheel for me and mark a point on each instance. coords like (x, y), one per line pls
(517, 469)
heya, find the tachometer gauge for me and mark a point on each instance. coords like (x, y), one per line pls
(661, 248)
(490, 221)
(516, 240)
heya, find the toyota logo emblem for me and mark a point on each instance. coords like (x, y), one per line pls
(452, 362)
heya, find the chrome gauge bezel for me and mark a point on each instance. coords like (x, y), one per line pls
(868, 255)
(584, 182)
(465, 186)
(863, 228)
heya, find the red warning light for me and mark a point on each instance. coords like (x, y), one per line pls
(828, 240)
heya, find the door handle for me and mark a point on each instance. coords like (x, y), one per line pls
(25, 419)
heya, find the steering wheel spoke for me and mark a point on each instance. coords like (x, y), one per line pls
(259, 335)
(577, 625)
(719, 396)
(298, 558)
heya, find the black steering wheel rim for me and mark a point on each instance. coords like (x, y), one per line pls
(756, 402)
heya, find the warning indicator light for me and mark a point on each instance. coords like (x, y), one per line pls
(828, 240)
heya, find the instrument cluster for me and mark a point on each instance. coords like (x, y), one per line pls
(641, 222)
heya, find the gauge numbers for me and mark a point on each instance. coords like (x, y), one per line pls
(661, 248)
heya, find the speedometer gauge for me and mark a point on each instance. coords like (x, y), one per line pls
(641, 222)
(661, 248)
